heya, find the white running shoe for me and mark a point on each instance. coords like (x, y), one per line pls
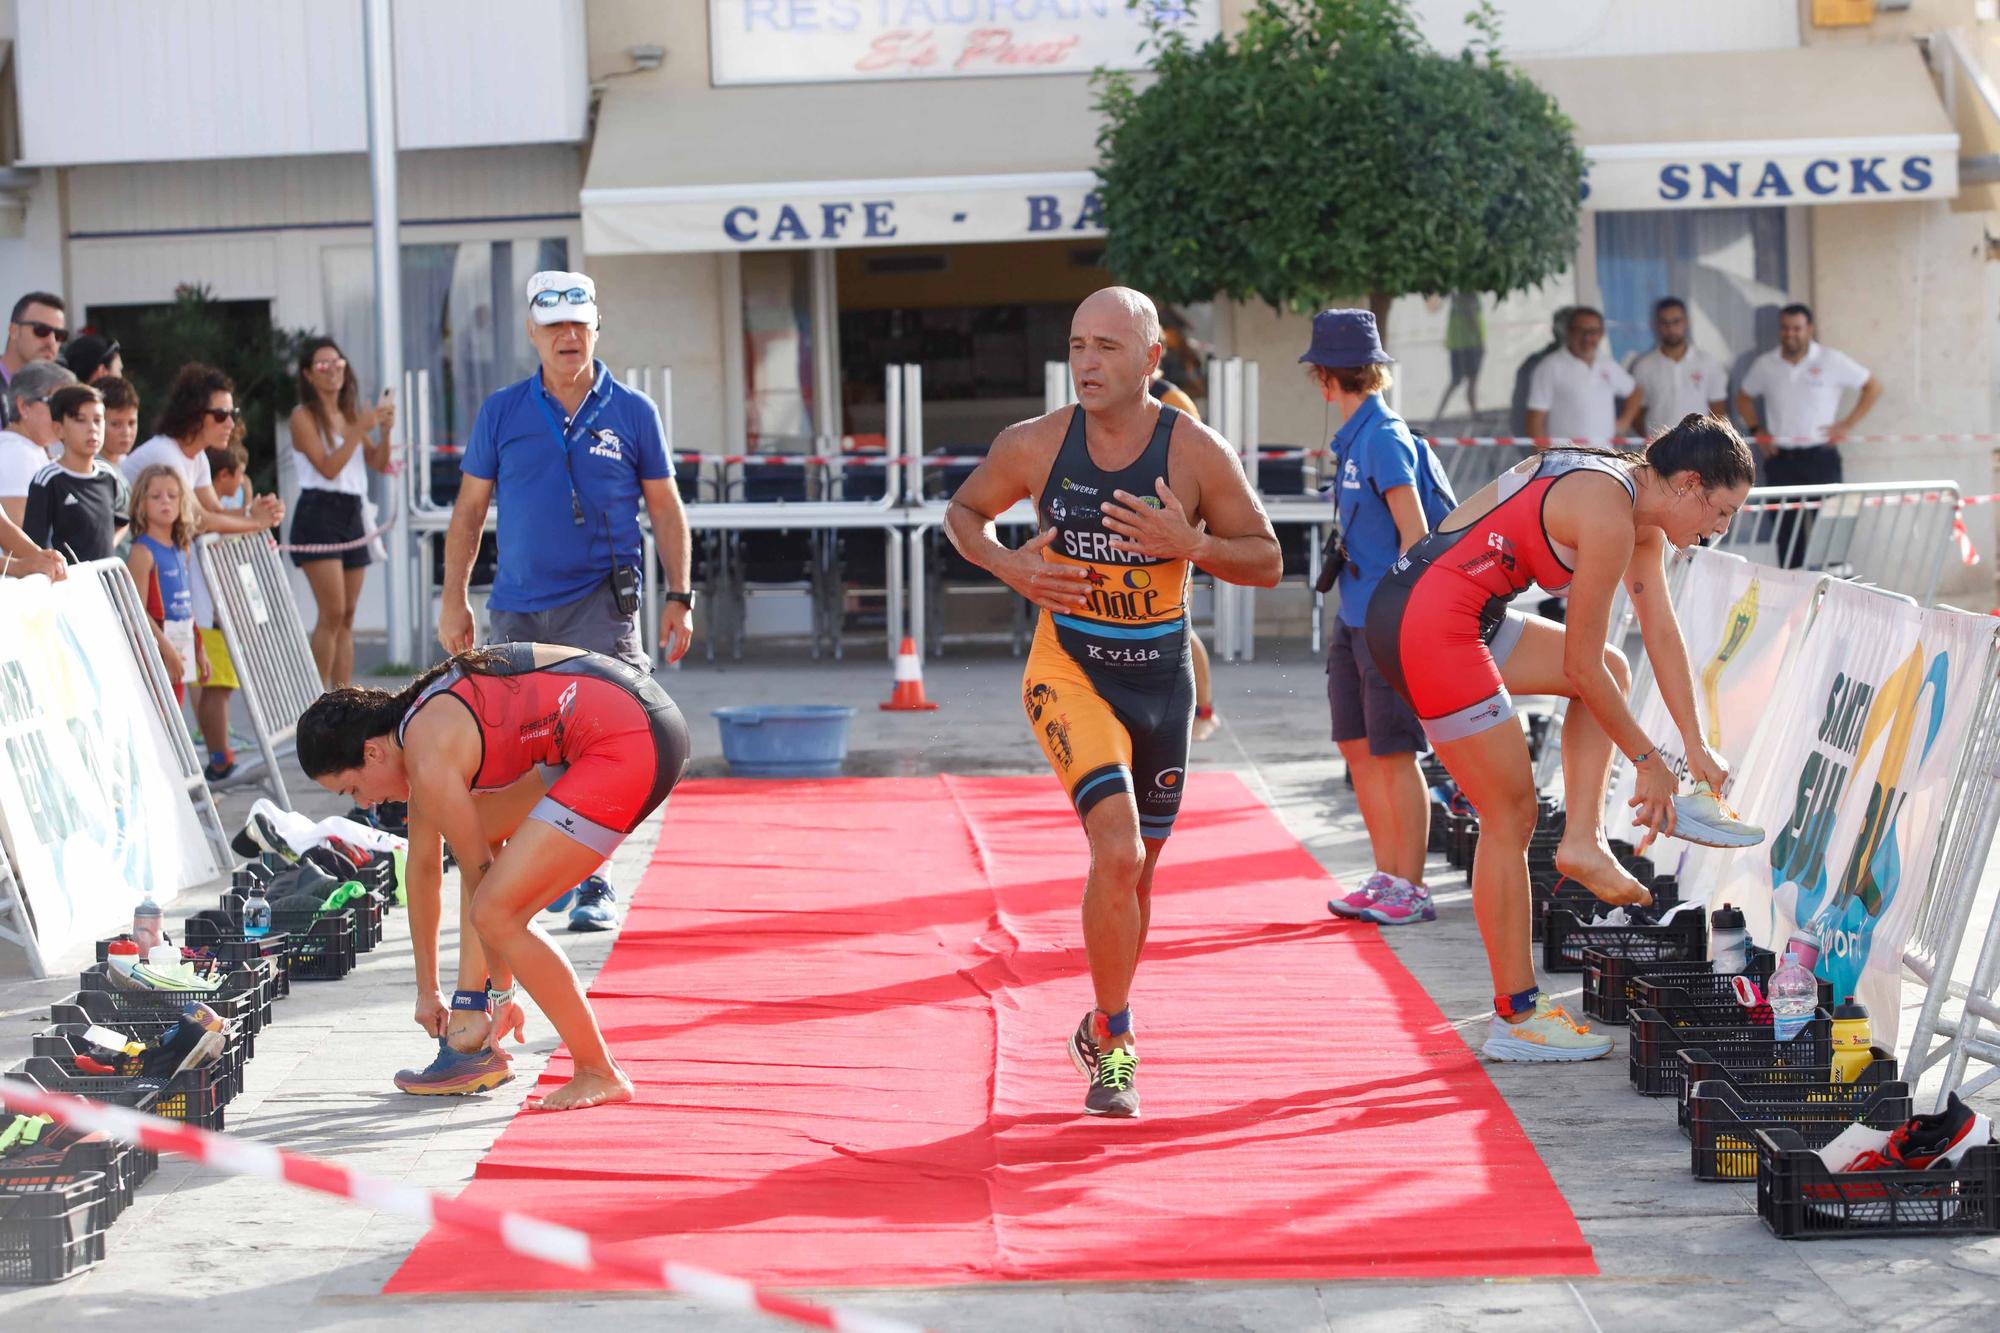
(1704, 817)
(1547, 1034)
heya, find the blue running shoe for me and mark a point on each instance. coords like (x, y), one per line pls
(596, 905)
(455, 1074)
(562, 902)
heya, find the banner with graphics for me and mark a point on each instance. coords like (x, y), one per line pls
(1868, 727)
(1738, 620)
(94, 815)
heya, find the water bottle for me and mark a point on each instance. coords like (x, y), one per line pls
(1730, 941)
(256, 913)
(146, 925)
(1852, 1041)
(1794, 997)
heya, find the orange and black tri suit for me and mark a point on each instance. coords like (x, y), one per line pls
(1109, 690)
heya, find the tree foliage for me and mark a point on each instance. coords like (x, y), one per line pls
(1327, 151)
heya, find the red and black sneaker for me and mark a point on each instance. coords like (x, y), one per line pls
(1868, 1163)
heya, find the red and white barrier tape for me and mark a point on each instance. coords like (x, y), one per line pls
(1634, 441)
(517, 1233)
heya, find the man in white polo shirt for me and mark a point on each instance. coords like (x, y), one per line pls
(1800, 428)
(1677, 377)
(1574, 392)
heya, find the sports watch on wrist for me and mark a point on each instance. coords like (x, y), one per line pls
(684, 598)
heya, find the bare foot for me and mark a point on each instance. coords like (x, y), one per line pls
(1592, 865)
(1204, 727)
(586, 1088)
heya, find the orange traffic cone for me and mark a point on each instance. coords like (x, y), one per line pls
(908, 696)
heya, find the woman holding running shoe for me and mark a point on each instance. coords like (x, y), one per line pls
(1441, 632)
(534, 762)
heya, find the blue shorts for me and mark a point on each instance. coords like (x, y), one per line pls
(1364, 705)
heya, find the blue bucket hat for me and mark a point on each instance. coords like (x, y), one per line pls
(1345, 339)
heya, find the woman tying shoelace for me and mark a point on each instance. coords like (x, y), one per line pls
(533, 762)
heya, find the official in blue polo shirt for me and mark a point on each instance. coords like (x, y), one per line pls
(1381, 512)
(570, 454)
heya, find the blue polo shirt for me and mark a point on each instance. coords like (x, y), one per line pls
(519, 444)
(1377, 455)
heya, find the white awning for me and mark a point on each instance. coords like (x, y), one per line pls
(755, 168)
(1811, 125)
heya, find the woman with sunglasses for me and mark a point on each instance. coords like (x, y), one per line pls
(200, 414)
(337, 442)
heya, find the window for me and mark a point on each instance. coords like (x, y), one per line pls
(1731, 266)
(778, 350)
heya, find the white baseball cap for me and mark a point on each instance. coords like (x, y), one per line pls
(572, 298)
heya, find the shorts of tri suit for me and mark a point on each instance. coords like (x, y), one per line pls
(329, 518)
(1110, 726)
(1440, 641)
(627, 767)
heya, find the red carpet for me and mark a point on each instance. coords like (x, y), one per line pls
(844, 1004)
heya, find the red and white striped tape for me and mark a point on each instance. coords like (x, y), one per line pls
(519, 1234)
(1634, 441)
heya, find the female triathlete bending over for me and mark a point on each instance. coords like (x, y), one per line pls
(556, 752)
(1441, 633)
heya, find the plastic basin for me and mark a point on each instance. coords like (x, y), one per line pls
(784, 741)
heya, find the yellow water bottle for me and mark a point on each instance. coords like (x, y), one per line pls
(1852, 1041)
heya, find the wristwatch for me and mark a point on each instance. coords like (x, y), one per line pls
(684, 598)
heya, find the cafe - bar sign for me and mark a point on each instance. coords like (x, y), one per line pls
(831, 41)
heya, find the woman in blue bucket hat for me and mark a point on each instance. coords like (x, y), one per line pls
(1378, 466)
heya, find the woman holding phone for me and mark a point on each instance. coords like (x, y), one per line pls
(338, 441)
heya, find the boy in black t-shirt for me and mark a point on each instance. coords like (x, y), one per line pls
(73, 503)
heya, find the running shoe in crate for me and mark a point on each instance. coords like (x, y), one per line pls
(1565, 937)
(236, 999)
(1656, 1044)
(50, 1234)
(1934, 1175)
(1721, 1119)
(214, 931)
(1781, 1083)
(92, 1006)
(193, 1098)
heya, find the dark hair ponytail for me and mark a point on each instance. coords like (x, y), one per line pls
(334, 731)
(1707, 446)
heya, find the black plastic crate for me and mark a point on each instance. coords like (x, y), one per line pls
(64, 1155)
(214, 931)
(50, 1234)
(1549, 889)
(1799, 1199)
(1721, 1118)
(322, 945)
(1655, 1046)
(193, 1098)
(94, 1006)
(237, 1002)
(63, 1041)
(1608, 979)
(1778, 1083)
(1565, 939)
(1709, 1001)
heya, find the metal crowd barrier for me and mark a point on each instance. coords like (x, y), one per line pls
(276, 674)
(1892, 535)
(116, 581)
(1970, 819)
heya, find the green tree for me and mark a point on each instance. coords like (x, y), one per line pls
(1326, 151)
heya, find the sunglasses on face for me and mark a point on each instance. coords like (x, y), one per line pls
(41, 330)
(570, 296)
(334, 364)
(221, 414)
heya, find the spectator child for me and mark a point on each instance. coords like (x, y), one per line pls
(229, 471)
(162, 561)
(74, 503)
(121, 418)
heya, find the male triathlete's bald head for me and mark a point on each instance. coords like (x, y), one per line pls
(1114, 343)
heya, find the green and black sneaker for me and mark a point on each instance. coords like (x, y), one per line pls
(1111, 1085)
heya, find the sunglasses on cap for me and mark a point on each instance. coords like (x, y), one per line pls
(221, 414)
(41, 330)
(549, 300)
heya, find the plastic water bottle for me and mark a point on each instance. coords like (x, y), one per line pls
(147, 929)
(1794, 997)
(1730, 940)
(256, 913)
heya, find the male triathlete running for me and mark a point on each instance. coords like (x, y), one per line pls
(1128, 495)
